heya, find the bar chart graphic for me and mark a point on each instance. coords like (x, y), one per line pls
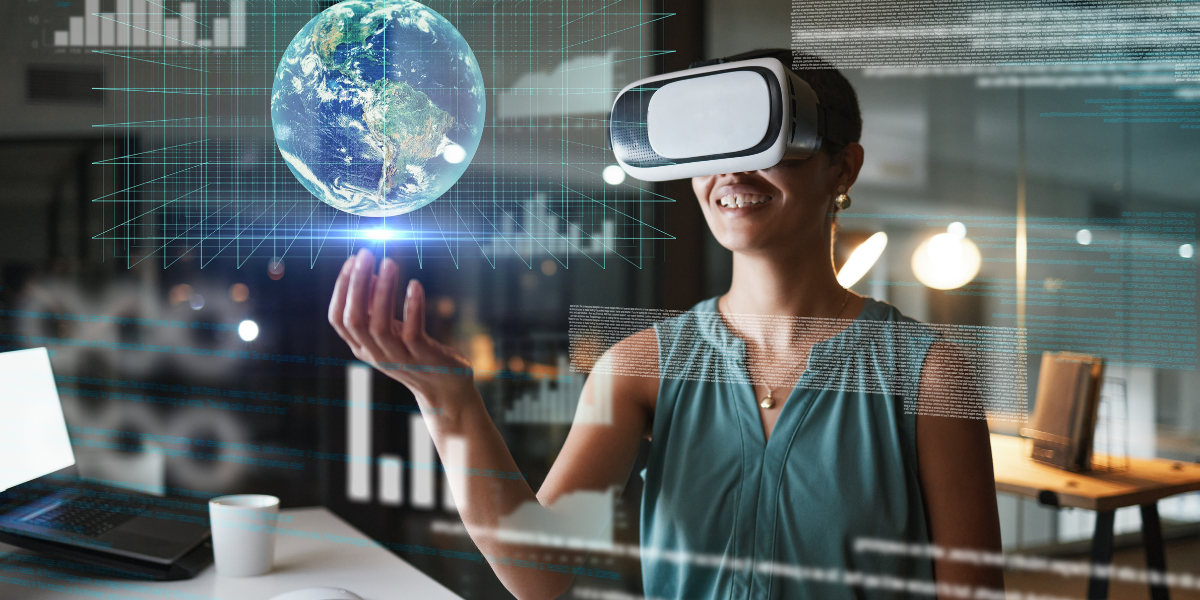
(579, 519)
(148, 24)
(553, 403)
(422, 466)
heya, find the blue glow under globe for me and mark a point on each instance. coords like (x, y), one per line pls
(378, 106)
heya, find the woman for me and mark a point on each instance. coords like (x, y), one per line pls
(743, 480)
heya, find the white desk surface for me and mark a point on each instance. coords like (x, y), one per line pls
(371, 572)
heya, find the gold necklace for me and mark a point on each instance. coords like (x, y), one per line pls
(768, 401)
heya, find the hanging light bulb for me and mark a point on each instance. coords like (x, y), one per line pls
(946, 262)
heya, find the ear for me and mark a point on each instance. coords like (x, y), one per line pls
(850, 164)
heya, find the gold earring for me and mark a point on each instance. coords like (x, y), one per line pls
(843, 202)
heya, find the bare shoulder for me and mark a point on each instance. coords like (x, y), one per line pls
(949, 385)
(640, 348)
(943, 363)
(631, 366)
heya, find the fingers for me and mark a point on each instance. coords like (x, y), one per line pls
(355, 317)
(371, 293)
(383, 302)
(337, 304)
(414, 314)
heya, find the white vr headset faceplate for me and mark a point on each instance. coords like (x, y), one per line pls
(734, 108)
(725, 118)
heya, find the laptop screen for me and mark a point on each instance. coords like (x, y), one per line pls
(33, 433)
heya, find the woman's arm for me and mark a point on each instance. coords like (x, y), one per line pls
(954, 456)
(598, 454)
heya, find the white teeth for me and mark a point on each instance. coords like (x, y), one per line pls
(740, 200)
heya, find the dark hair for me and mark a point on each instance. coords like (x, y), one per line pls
(833, 90)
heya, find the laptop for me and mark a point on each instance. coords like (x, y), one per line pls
(46, 507)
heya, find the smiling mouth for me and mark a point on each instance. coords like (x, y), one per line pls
(742, 200)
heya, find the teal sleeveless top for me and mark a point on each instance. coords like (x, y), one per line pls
(727, 515)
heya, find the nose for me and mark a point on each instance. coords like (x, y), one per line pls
(735, 176)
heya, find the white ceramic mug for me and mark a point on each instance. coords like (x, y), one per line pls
(243, 533)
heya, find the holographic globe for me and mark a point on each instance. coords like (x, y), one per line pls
(378, 106)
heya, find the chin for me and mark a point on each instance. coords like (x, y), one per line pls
(769, 237)
(742, 243)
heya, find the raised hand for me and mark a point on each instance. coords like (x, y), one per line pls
(361, 311)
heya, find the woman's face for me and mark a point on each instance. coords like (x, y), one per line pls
(785, 206)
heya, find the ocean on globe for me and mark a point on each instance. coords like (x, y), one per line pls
(378, 106)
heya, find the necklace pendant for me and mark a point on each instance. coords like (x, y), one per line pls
(767, 402)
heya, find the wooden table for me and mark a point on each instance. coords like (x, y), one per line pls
(1143, 484)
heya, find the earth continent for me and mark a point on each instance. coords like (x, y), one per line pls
(378, 106)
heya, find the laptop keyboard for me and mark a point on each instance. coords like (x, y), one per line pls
(65, 515)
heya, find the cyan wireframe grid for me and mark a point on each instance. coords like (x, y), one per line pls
(198, 172)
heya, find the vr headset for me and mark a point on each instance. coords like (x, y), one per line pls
(722, 117)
